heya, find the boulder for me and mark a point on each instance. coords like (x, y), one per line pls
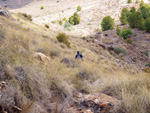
(42, 57)
(4, 12)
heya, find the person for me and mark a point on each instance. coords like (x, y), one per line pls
(79, 56)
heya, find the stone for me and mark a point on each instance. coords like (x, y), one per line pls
(42, 57)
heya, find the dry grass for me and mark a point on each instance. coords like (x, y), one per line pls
(97, 73)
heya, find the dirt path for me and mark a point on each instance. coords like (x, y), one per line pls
(91, 15)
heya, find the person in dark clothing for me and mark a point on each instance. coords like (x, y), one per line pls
(79, 56)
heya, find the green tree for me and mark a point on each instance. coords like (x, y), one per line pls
(141, 21)
(147, 25)
(79, 8)
(76, 20)
(133, 10)
(124, 16)
(145, 11)
(125, 33)
(107, 23)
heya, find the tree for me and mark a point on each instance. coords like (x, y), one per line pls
(141, 22)
(134, 19)
(124, 16)
(133, 10)
(76, 20)
(126, 33)
(79, 8)
(107, 23)
(147, 25)
(145, 11)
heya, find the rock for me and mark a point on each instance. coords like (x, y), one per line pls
(17, 109)
(4, 12)
(42, 57)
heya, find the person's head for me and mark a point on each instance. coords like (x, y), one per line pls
(78, 52)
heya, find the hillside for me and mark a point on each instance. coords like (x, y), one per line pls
(39, 74)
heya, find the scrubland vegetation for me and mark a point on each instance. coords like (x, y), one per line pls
(39, 86)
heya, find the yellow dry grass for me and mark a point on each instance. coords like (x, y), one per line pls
(23, 38)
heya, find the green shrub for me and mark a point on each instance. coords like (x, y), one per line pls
(124, 16)
(130, 1)
(61, 22)
(42, 7)
(118, 51)
(79, 8)
(118, 31)
(147, 25)
(75, 19)
(137, 1)
(65, 19)
(145, 53)
(126, 33)
(128, 40)
(107, 23)
(46, 25)
(148, 65)
(71, 20)
(63, 38)
(29, 17)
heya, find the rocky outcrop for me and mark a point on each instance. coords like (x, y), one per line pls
(4, 12)
(92, 103)
(42, 57)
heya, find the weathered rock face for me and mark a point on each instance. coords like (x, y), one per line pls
(14, 3)
(4, 12)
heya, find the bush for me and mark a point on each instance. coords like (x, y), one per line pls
(65, 19)
(147, 25)
(137, 1)
(107, 23)
(148, 65)
(128, 40)
(61, 22)
(130, 1)
(71, 20)
(42, 7)
(46, 25)
(79, 8)
(29, 17)
(63, 38)
(124, 16)
(118, 31)
(126, 33)
(75, 19)
(145, 53)
(119, 51)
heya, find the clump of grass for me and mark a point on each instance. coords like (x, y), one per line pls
(128, 40)
(29, 17)
(63, 38)
(118, 51)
